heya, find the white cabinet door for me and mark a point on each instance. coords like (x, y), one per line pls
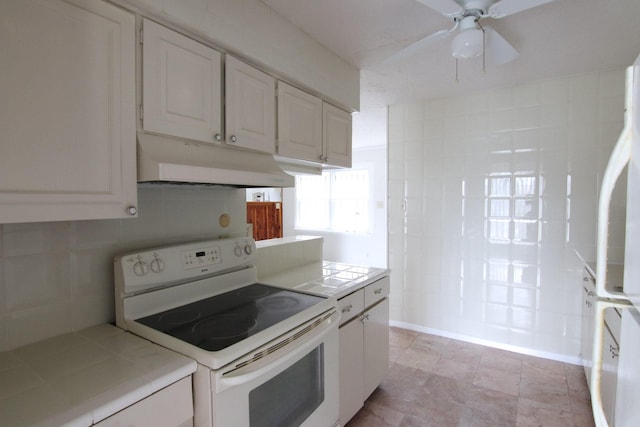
(250, 107)
(336, 136)
(351, 369)
(67, 111)
(376, 345)
(299, 124)
(364, 347)
(181, 85)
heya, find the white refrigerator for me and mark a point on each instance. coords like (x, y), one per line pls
(626, 153)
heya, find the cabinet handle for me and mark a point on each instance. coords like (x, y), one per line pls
(217, 137)
(378, 291)
(233, 138)
(347, 308)
(613, 350)
(132, 210)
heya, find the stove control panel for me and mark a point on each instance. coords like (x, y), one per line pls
(197, 258)
(147, 269)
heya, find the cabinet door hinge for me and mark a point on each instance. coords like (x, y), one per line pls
(141, 108)
(141, 36)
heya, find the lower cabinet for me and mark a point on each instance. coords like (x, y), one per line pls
(364, 345)
(170, 407)
(351, 369)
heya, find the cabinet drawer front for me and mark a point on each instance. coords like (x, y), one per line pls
(169, 407)
(376, 291)
(351, 305)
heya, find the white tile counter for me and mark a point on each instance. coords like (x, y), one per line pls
(81, 378)
(325, 278)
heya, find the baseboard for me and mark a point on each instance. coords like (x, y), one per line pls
(488, 343)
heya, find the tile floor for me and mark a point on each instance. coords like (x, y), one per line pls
(437, 381)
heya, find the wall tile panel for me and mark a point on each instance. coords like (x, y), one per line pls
(57, 277)
(509, 182)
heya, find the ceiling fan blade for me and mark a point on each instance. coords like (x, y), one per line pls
(504, 8)
(416, 47)
(446, 7)
(499, 51)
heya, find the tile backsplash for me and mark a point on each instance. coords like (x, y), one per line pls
(57, 277)
(490, 194)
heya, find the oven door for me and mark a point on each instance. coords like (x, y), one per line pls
(290, 382)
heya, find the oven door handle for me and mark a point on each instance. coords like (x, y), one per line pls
(280, 359)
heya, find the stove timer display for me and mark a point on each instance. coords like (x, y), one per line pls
(196, 258)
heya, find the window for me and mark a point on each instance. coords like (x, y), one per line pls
(335, 201)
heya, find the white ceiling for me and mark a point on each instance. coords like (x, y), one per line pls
(558, 38)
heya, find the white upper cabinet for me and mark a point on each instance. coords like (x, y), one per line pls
(336, 136)
(250, 107)
(181, 85)
(299, 124)
(312, 130)
(67, 111)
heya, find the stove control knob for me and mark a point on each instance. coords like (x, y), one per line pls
(248, 249)
(140, 268)
(238, 251)
(157, 265)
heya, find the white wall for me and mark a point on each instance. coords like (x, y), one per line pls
(268, 194)
(57, 277)
(474, 251)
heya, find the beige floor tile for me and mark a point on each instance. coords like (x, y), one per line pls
(536, 414)
(452, 368)
(418, 358)
(441, 382)
(495, 378)
(549, 390)
(373, 415)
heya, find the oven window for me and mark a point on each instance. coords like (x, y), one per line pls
(290, 397)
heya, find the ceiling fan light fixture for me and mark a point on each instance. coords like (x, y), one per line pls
(467, 44)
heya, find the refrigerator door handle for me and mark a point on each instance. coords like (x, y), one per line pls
(620, 157)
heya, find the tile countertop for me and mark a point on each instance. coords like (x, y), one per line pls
(326, 278)
(80, 378)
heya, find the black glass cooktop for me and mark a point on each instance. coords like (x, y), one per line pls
(220, 321)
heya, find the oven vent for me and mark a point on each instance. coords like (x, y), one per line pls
(302, 332)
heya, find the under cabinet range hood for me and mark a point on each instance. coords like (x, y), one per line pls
(175, 160)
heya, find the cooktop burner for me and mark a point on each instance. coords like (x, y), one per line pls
(220, 321)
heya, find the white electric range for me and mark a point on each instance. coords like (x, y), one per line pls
(266, 355)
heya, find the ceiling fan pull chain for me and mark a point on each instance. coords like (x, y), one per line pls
(457, 80)
(484, 48)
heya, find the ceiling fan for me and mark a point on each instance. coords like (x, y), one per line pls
(472, 39)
